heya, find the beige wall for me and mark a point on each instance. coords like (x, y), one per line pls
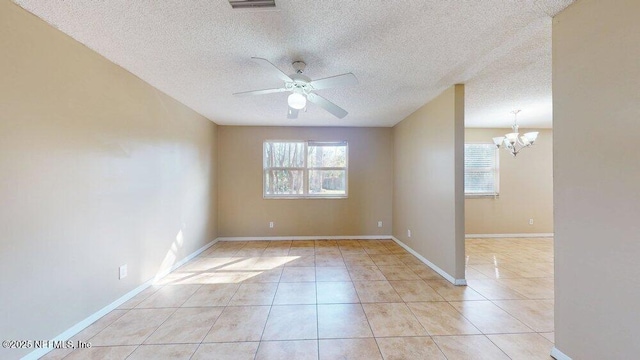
(526, 189)
(97, 169)
(428, 196)
(596, 96)
(244, 212)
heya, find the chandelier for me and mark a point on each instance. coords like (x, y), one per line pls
(513, 142)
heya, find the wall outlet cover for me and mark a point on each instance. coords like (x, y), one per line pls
(122, 271)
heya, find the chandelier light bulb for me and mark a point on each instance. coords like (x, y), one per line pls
(512, 137)
(297, 101)
(531, 136)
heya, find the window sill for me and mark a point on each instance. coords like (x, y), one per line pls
(305, 197)
(481, 196)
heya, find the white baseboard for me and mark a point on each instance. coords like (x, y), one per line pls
(524, 235)
(444, 274)
(66, 335)
(559, 355)
(460, 282)
(276, 238)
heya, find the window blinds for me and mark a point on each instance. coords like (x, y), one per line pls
(480, 169)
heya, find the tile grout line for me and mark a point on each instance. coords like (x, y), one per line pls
(94, 335)
(214, 322)
(145, 339)
(508, 312)
(496, 345)
(439, 348)
(268, 315)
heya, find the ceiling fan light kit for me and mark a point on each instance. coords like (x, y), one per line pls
(302, 88)
(513, 142)
(297, 101)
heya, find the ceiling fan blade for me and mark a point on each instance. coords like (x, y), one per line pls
(327, 105)
(292, 113)
(347, 79)
(260, 92)
(272, 68)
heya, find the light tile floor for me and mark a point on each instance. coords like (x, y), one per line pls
(346, 299)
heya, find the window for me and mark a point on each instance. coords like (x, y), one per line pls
(305, 169)
(480, 170)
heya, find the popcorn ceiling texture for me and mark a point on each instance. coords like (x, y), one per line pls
(404, 53)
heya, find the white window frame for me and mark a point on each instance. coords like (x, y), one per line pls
(306, 170)
(496, 174)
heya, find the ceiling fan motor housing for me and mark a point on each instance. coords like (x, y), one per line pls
(300, 83)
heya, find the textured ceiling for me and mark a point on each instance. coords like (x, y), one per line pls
(404, 53)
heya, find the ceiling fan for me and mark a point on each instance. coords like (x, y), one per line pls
(302, 88)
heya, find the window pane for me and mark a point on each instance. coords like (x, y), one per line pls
(327, 155)
(283, 154)
(477, 182)
(283, 182)
(480, 169)
(327, 182)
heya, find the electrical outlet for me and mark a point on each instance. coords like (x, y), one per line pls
(530, 221)
(122, 271)
(408, 233)
(379, 223)
(271, 224)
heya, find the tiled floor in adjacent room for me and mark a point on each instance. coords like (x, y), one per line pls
(346, 299)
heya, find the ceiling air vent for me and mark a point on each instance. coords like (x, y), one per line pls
(252, 4)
